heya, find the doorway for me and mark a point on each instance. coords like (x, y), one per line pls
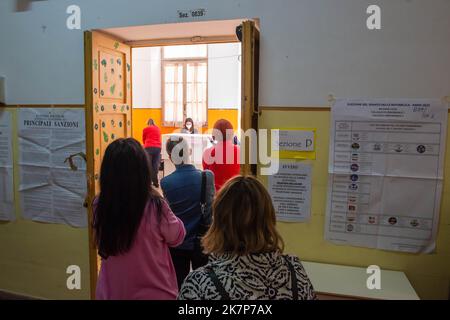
(190, 62)
(175, 83)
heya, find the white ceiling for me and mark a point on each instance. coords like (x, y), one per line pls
(176, 30)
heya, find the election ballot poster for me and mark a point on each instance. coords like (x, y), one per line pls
(386, 173)
(6, 168)
(290, 190)
(50, 191)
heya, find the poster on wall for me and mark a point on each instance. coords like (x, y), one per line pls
(290, 190)
(50, 191)
(386, 173)
(6, 168)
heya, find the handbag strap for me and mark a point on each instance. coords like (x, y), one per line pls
(293, 278)
(203, 193)
(219, 287)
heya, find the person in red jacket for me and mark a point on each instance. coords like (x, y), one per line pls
(223, 158)
(151, 136)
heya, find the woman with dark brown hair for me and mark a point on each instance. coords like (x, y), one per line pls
(189, 127)
(134, 228)
(246, 251)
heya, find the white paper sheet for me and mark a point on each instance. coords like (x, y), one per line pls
(386, 173)
(49, 190)
(290, 190)
(293, 140)
(6, 168)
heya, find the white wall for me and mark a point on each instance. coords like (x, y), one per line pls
(146, 77)
(224, 76)
(309, 48)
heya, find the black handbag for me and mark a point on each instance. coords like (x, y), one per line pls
(203, 224)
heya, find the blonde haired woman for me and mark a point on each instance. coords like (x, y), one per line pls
(246, 251)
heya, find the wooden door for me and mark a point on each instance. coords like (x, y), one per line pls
(108, 112)
(249, 82)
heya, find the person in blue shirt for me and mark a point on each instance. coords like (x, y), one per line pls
(182, 190)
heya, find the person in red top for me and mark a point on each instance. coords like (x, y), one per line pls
(151, 136)
(223, 158)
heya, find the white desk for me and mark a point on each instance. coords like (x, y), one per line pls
(197, 144)
(345, 282)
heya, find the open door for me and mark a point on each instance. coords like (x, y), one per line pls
(249, 82)
(108, 113)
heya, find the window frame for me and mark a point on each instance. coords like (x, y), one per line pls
(184, 62)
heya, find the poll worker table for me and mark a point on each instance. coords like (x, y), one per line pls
(198, 143)
(336, 282)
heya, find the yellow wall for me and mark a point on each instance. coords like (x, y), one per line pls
(429, 274)
(216, 114)
(34, 256)
(140, 117)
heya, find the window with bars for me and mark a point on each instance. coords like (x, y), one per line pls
(185, 84)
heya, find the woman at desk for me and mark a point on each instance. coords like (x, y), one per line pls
(189, 127)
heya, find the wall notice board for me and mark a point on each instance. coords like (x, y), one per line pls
(429, 274)
(34, 256)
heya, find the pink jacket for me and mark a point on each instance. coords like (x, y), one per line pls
(146, 271)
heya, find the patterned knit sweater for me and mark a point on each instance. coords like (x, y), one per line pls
(263, 276)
